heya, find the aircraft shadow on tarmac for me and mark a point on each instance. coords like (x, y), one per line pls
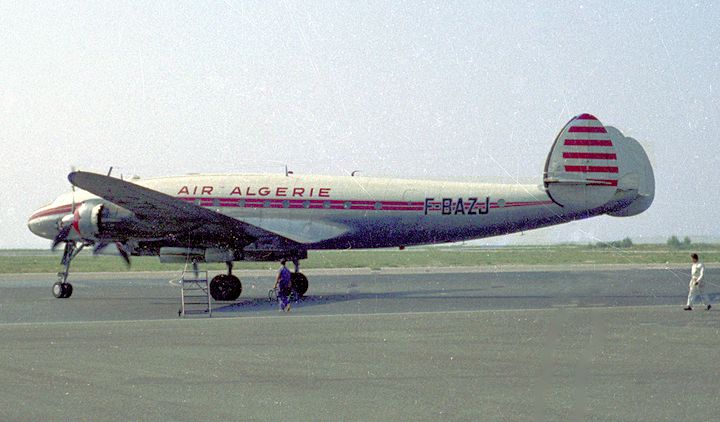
(252, 304)
(459, 295)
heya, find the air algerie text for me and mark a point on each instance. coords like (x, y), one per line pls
(249, 191)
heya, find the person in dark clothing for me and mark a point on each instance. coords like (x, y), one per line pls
(283, 286)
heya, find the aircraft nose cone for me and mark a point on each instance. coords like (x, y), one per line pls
(42, 225)
(33, 225)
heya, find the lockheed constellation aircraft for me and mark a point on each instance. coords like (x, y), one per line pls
(591, 170)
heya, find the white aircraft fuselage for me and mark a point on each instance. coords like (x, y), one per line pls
(331, 212)
(591, 170)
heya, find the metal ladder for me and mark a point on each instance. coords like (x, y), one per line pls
(195, 294)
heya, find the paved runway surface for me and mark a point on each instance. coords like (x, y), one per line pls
(567, 343)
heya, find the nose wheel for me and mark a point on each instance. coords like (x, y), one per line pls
(62, 290)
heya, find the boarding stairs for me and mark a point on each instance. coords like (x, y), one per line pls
(195, 294)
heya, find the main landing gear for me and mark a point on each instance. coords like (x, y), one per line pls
(62, 289)
(225, 287)
(298, 280)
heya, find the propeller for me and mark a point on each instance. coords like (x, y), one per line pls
(122, 250)
(123, 253)
(71, 220)
(60, 237)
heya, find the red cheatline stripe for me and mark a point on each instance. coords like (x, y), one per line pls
(526, 203)
(588, 129)
(57, 210)
(339, 204)
(586, 116)
(300, 201)
(590, 169)
(589, 142)
(590, 155)
(333, 204)
(603, 182)
(391, 208)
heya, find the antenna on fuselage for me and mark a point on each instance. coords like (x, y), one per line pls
(287, 172)
(110, 170)
(353, 173)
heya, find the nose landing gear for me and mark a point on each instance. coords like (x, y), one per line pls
(62, 289)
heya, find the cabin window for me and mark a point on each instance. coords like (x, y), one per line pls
(286, 204)
(306, 204)
(326, 204)
(378, 205)
(347, 205)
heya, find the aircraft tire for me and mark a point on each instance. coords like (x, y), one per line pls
(225, 288)
(235, 287)
(58, 290)
(300, 282)
(62, 290)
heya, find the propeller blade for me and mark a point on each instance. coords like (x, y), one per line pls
(99, 247)
(61, 237)
(123, 253)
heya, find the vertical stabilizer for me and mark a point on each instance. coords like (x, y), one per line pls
(591, 166)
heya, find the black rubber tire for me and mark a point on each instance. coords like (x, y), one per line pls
(300, 283)
(225, 288)
(62, 290)
(58, 290)
(218, 287)
(235, 287)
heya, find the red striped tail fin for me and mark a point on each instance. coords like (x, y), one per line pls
(589, 163)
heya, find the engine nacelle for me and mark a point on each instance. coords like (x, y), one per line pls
(93, 221)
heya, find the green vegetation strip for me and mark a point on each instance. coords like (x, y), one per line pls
(450, 256)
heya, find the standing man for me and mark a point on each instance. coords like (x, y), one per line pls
(696, 283)
(283, 287)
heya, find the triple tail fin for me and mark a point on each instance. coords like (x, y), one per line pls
(595, 166)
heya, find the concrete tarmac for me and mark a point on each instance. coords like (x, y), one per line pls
(556, 344)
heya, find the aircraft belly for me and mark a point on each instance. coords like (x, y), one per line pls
(372, 229)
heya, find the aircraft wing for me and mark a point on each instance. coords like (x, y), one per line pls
(167, 213)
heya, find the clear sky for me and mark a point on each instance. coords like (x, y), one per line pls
(467, 90)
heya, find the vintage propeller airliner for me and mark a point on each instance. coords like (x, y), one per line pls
(591, 170)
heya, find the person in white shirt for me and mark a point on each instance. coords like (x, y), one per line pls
(696, 283)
